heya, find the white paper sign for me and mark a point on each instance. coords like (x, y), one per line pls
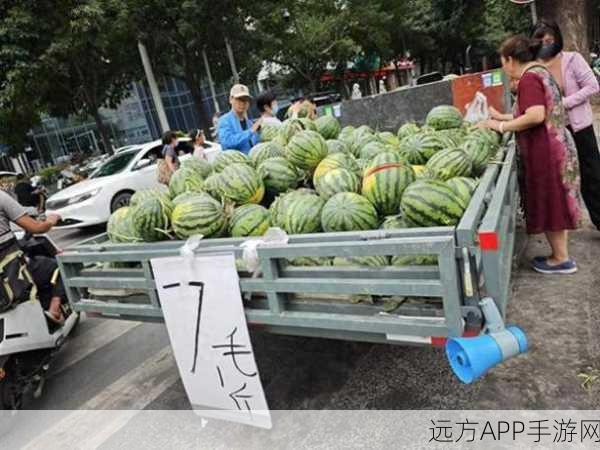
(202, 305)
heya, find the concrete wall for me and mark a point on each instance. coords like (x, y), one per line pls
(387, 112)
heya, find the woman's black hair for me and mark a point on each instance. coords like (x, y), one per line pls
(520, 48)
(194, 134)
(264, 99)
(544, 27)
(168, 137)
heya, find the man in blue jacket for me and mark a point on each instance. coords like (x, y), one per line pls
(236, 130)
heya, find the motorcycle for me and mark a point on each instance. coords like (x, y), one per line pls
(28, 338)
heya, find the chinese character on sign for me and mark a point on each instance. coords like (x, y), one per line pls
(590, 430)
(467, 428)
(564, 430)
(538, 430)
(441, 432)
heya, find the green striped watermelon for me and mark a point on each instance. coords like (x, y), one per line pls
(279, 207)
(279, 175)
(336, 161)
(408, 129)
(185, 180)
(265, 150)
(429, 203)
(395, 222)
(310, 261)
(363, 130)
(328, 126)
(360, 141)
(212, 185)
(412, 148)
(478, 152)
(187, 196)
(249, 220)
(202, 166)
(120, 227)
(357, 261)
(308, 124)
(302, 214)
(463, 187)
(389, 139)
(141, 195)
(347, 134)
(229, 157)
(415, 260)
(289, 128)
(241, 184)
(307, 149)
(269, 132)
(199, 215)
(444, 117)
(348, 211)
(336, 181)
(449, 164)
(372, 149)
(337, 146)
(385, 180)
(151, 218)
(486, 135)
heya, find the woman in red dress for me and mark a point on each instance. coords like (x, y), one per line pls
(548, 157)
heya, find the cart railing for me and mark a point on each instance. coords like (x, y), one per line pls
(433, 301)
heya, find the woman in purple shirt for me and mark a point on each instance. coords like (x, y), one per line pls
(578, 84)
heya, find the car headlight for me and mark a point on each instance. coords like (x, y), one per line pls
(83, 197)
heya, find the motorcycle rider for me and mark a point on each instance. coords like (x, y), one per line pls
(44, 270)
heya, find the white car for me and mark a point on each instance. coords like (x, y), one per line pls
(108, 188)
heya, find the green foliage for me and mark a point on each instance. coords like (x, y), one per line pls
(50, 174)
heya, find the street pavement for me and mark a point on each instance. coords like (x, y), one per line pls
(120, 365)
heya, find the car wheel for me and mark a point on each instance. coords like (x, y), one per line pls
(120, 200)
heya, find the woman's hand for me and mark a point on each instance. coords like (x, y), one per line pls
(495, 114)
(490, 123)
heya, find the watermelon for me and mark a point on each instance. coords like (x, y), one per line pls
(389, 139)
(310, 261)
(288, 129)
(141, 195)
(120, 227)
(199, 215)
(241, 184)
(307, 149)
(279, 175)
(279, 206)
(229, 157)
(411, 148)
(265, 150)
(360, 141)
(302, 214)
(212, 185)
(415, 260)
(444, 117)
(429, 203)
(371, 149)
(454, 137)
(348, 211)
(478, 152)
(151, 218)
(202, 166)
(186, 196)
(432, 142)
(369, 261)
(394, 222)
(486, 135)
(336, 181)
(385, 180)
(269, 132)
(337, 146)
(335, 161)
(407, 129)
(362, 131)
(185, 180)
(420, 171)
(463, 187)
(347, 134)
(449, 164)
(328, 126)
(308, 124)
(249, 220)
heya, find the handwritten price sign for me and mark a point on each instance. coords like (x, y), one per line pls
(202, 305)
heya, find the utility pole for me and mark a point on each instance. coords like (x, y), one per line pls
(236, 76)
(534, 16)
(160, 110)
(211, 84)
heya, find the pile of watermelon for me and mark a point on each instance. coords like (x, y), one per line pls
(314, 176)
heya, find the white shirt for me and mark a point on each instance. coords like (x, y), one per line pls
(199, 152)
(271, 121)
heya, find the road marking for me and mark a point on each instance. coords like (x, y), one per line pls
(86, 343)
(129, 394)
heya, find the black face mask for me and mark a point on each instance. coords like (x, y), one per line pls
(549, 51)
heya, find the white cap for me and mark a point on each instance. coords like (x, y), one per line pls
(239, 90)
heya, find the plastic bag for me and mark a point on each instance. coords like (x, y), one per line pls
(478, 109)
(273, 237)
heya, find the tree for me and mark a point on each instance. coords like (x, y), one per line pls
(572, 16)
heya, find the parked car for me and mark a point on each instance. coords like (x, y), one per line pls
(110, 186)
